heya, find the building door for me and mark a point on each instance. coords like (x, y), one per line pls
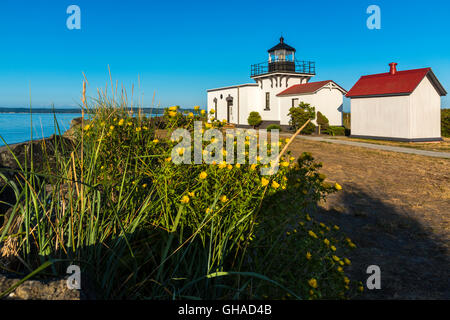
(229, 108)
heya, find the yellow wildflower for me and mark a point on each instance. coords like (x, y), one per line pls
(191, 115)
(229, 167)
(212, 111)
(185, 199)
(224, 198)
(202, 112)
(155, 141)
(275, 184)
(327, 242)
(120, 122)
(144, 185)
(308, 256)
(347, 261)
(313, 283)
(238, 165)
(312, 234)
(196, 108)
(285, 164)
(333, 248)
(337, 186)
(264, 182)
(111, 128)
(203, 175)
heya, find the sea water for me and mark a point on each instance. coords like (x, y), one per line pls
(16, 127)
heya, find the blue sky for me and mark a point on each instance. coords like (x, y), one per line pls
(181, 48)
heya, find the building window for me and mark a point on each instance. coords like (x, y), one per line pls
(295, 102)
(267, 101)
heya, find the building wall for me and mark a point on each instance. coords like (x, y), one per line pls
(328, 102)
(425, 111)
(381, 117)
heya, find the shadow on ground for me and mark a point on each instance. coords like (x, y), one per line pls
(414, 262)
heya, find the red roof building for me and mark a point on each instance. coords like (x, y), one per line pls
(397, 105)
(393, 83)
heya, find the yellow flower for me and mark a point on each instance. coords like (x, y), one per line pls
(340, 269)
(313, 283)
(347, 261)
(111, 128)
(308, 217)
(129, 123)
(138, 129)
(212, 111)
(202, 112)
(180, 151)
(253, 167)
(312, 234)
(327, 242)
(168, 159)
(238, 165)
(222, 165)
(308, 256)
(144, 185)
(224, 198)
(333, 248)
(335, 227)
(191, 115)
(172, 113)
(346, 280)
(155, 141)
(285, 164)
(287, 140)
(191, 194)
(185, 199)
(196, 108)
(337, 186)
(275, 184)
(174, 108)
(229, 167)
(120, 122)
(264, 182)
(361, 288)
(203, 175)
(335, 258)
(86, 127)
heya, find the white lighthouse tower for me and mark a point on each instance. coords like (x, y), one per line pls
(280, 83)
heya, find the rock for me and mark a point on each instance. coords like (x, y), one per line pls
(38, 290)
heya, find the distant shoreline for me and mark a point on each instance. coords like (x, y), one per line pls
(74, 110)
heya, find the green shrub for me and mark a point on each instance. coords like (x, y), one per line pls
(254, 119)
(335, 131)
(273, 127)
(445, 122)
(299, 115)
(322, 121)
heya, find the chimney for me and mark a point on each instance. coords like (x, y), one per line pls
(393, 66)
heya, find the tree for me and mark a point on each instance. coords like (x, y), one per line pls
(254, 119)
(322, 121)
(299, 115)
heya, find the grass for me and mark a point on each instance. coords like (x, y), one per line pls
(142, 227)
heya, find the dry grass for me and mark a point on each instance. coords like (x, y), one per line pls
(396, 207)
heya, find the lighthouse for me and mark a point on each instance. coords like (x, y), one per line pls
(279, 83)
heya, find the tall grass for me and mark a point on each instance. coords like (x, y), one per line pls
(141, 227)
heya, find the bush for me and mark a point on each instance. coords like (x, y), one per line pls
(445, 122)
(335, 131)
(273, 127)
(299, 115)
(141, 227)
(254, 119)
(322, 121)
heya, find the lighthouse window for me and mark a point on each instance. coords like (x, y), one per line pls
(267, 101)
(295, 102)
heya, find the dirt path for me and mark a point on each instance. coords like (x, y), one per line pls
(396, 207)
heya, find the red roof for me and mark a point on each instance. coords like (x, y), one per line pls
(305, 88)
(402, 82)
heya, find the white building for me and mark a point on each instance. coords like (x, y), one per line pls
(397, 105)
(280, 83)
